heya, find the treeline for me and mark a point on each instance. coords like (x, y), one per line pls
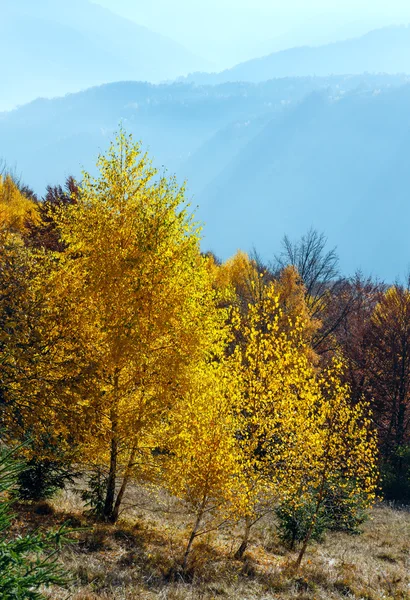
(240, 388)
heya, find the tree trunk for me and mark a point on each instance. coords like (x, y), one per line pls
(242, 548)
(126, 478)
(193, 535)
(305, 545)
(112, 475)
(312, 525)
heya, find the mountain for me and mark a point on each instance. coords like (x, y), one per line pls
(341, 167)
(193, 130)
(385, 50)
(51, 47)
(260, 160)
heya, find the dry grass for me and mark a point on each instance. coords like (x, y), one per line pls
(137, 557)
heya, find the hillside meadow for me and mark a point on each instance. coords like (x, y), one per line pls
(134, 558)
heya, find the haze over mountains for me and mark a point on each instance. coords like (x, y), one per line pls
(228, 32)
(52, 47)
(261, 159)
(385, 50)
(306, 137)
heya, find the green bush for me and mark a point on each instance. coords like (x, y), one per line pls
(94, 495)
(49, 469)
(294, 523)
(340, 510)
(40, 479)
(30, 562)
(344, 511)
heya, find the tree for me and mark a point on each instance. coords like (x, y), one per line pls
(39, 355)
(201, 465)
(142, 305)
(275, 375)
(45, 233)
(17, 212)
(299, 434)
(345, 460)
(353, 337)
(317, 267)
(28, 563)
(17, 268)
(388, 373)
(325, 290)
(375, 344)
(238, 281)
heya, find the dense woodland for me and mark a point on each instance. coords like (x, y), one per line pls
(238, 388)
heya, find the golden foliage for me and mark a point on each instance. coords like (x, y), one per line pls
(17, 212)
(299, 433)
(141, 301)
(120, 345)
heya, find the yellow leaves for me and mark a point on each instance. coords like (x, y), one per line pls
(203, 461)
(240, 277)
(123, 344)
(17, 212)
(141, 297)
(392, 313)
(298, 425)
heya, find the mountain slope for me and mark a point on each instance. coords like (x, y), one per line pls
(340, 167)
(261, 160)
(54, 47)
(384, 50)
(192, 130)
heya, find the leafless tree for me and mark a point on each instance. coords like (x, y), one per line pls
(317, 266)
(329, 296)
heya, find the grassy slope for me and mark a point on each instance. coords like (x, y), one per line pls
(132, 559)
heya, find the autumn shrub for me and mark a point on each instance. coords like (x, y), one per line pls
(345, 510)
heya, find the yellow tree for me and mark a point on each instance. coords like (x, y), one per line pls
(17, 212)
(40, 357)
(202, 465)
(344, 458)
(240, 275)
(142, 304)
(293, 308)
(275, 377)
(289, 434)
(37, 355)
(18, 269)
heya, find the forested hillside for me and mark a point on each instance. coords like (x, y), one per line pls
(140, 374)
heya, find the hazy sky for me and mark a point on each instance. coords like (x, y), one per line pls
(228, 31)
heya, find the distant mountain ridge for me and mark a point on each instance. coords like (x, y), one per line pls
(51, 47)
(385, 50)
(260, 160)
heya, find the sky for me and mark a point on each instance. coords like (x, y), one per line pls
(225, 32)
